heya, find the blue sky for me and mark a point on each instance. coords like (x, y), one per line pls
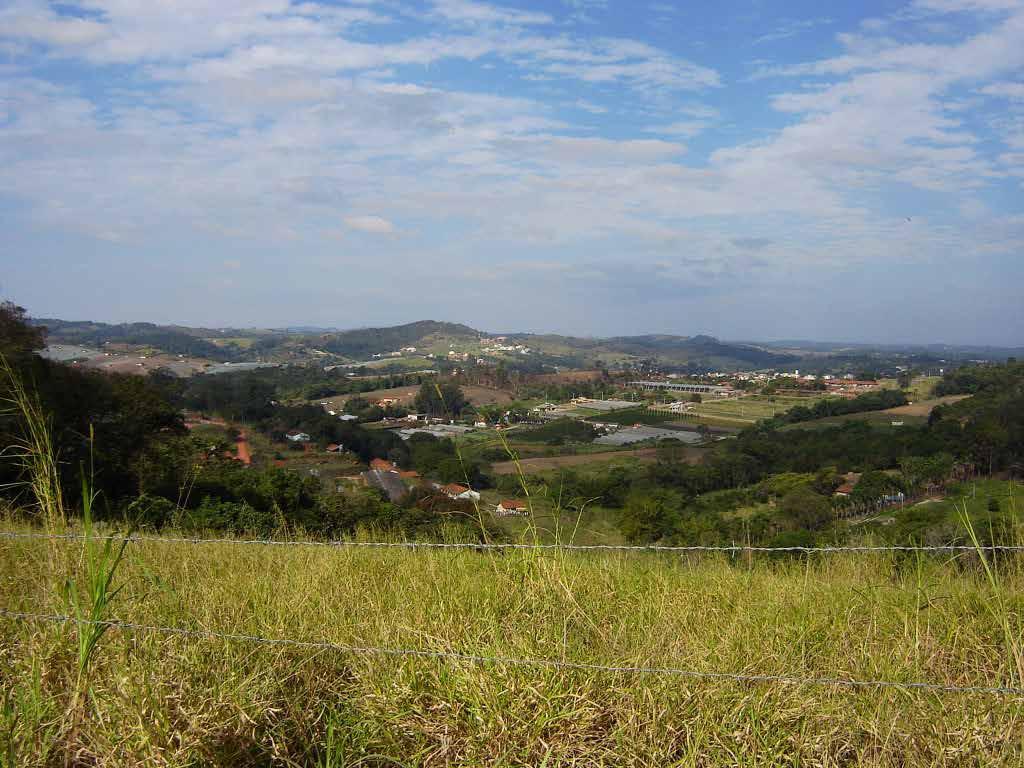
(752, 170)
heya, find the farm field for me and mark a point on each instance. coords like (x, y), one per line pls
(924, 407)
(752, 409)
(176, 700)
(879, 419)
(547, 463)
(914, 414)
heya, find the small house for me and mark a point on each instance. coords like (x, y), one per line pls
(509, 507)
(850, 481)
(461, 492)
(297, 437)
(382, 465)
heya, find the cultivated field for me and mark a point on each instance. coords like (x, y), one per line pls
(546, 463)
(751, 408)
(148, 697)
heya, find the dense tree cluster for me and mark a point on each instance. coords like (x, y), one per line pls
(443, 400)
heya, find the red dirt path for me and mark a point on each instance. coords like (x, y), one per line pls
(244, 451)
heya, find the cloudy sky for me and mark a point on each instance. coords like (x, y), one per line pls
(751, 169)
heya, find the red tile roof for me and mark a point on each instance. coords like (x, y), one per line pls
(516, 504)
(381, 464)
(454, 489)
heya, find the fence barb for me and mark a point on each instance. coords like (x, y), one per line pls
(342, 543)
(320, 645)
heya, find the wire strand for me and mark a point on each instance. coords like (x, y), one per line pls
(513, 661)
(341, 543)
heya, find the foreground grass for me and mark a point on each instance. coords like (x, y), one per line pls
(176, 701)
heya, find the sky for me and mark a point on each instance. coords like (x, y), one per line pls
(746, 169)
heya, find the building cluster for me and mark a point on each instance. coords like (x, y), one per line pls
(397, 353)
(711, 390)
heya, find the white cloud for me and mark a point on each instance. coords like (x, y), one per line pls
(474, 12)
(1013, 91)
(375, 225)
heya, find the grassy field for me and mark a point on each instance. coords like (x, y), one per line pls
(407, 395)
(915, 414)
(153, 699)
(751, 408)
(531, 465)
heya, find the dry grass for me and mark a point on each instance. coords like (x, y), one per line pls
(159, 700)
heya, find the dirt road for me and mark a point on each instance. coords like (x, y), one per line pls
(243, 448)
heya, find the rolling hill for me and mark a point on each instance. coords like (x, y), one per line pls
(355, 345)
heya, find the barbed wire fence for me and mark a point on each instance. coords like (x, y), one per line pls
(369, 650)
(498, 546)
(364, 650)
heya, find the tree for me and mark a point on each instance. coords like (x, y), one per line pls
(805, 509)
(441, 400)
(651, 515)
(17, 337)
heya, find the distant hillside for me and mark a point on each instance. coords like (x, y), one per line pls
(700, 350)
(173, 339)
(697, 353)
(693, 352)
(362, 342)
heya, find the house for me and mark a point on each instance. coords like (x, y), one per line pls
(382, 465)
(849, 483)
(297, 437)
(456, 491)
(509, 507)
(335, 448)
(348, 417)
